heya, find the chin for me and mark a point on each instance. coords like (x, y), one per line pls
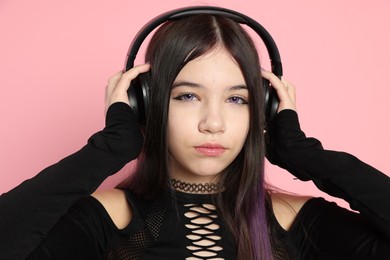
(209, 172)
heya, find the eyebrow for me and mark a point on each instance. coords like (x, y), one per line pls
(185, 84)
(196, 85)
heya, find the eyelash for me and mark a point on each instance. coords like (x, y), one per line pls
(190, 97)
(242, 101)
(182, 97)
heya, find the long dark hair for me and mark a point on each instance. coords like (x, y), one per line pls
(242, 205)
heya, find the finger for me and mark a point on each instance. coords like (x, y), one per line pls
(112, 82)
(284, 89)
(124, 81)
(120, 82)
(290, 89)
(277, 84)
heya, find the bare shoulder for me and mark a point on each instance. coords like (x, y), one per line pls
(116, 205)
(286, 207)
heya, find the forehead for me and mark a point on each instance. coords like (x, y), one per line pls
(216, 66)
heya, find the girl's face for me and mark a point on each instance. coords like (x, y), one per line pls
(208, 118)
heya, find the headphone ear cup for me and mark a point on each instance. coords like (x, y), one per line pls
(138, 94)
(271, 101)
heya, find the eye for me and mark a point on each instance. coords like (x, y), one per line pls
(186, 97)
(237, 100)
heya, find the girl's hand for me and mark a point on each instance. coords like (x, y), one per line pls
(284, 89)
(116, 90)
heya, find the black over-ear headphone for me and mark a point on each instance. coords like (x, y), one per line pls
(139, 89)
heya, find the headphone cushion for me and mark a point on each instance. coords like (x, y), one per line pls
(271, 100)
(138, 94)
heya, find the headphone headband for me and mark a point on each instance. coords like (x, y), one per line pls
(273, 52)
(139, 91)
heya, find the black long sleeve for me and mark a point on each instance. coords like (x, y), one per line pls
(30, 210)
(339, 174)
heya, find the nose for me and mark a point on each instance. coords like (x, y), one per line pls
(212, 120)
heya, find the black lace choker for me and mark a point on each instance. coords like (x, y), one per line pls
(196, 187)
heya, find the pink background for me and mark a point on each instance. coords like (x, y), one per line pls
(56, 57)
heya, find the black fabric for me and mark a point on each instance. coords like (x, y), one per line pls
(38, 214)
(339, 174)
(30, 210)
(322, 230)
(158, 230)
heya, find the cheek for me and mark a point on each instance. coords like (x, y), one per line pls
(180, 125)
(240, 125)
(242, 133)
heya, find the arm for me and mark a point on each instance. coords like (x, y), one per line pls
(339, 174)
(29, 211)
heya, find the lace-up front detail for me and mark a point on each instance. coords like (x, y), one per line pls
(182, 226)
(203, 232)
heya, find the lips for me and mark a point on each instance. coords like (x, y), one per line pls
(211, 150)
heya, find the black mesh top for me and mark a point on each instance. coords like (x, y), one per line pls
(190, 228)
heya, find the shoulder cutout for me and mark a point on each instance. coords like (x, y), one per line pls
(286, 207)
(116, 205)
